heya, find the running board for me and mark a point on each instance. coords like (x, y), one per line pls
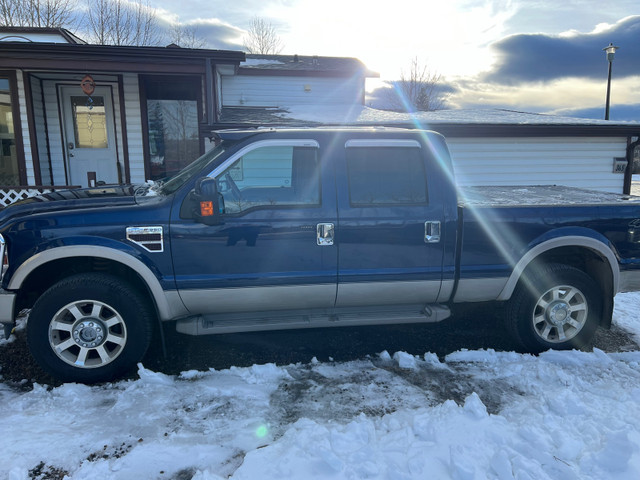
(348, 317)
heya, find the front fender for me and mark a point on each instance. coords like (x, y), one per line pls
(166, 310)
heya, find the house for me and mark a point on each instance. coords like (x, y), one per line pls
(74, 114)
(498, 147)
(271, 81)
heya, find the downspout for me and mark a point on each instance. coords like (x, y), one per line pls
(210, 93)
(628, 173)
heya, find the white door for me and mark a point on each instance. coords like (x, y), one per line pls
(89, 136)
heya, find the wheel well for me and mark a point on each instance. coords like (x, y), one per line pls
(45, 276)
(591, 263)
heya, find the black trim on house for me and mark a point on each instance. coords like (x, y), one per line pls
(17, 123)
(123, 125)
(104, 58)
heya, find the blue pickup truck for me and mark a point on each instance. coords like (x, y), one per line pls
(297, 228)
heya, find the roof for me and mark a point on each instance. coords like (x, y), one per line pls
(65, 56)
(452, 123)
(33, 34)
(303, 65)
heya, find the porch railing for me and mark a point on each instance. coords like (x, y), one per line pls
(13, 193)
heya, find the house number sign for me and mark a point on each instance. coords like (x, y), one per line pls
(88, 85)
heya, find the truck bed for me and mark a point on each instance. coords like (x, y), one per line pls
(543, 195)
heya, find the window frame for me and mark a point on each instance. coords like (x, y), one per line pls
(144, 82)
(385, 143)
(11, 76)
(308, 143)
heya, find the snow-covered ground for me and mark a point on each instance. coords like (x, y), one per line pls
(476, 415)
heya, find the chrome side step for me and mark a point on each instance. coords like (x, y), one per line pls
(347, 317)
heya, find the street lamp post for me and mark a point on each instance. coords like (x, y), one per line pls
(611, 51)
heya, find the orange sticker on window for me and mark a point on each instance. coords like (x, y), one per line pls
(206, 209)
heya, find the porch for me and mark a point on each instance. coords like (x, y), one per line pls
(85, 115)
(10, 194)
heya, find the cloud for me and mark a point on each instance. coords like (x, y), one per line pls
(218, 34)
(542, 58)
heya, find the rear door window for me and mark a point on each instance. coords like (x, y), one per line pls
(386, 176)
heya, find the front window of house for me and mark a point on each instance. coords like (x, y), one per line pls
(9, 167)
(172, 120)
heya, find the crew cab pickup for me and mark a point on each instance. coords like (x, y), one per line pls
(296, 228)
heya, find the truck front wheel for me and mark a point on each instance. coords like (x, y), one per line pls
(555, 306)
(89, 328)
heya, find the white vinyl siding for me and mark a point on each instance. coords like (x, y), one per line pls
(134, 127)
(41, 131)
(24, 124)
(276, 91)
(576, 162)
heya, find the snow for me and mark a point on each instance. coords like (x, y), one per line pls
(359, 114)
(254, 62)
(472, 415)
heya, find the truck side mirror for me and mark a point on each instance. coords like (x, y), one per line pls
(209, 202)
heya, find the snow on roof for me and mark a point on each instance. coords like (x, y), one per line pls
(255, 62)
(359, 114)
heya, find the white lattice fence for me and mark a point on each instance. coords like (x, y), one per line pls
(9, 195)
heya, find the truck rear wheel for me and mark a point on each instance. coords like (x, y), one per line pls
(89, 328)
(556, 307)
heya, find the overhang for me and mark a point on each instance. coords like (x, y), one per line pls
(60, 57)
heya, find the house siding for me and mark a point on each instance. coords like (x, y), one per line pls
(133, 116)
(40, 131)
(54, 129)
(279, 91)
(575, 162)
(24, 125)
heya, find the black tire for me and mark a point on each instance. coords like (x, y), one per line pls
(554, 306)
(89, 328)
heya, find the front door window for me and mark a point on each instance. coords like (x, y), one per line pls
(89, 121)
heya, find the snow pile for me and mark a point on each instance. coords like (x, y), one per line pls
(476, 415)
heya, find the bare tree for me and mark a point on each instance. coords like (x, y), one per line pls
(186, 37)
(37, 13)
(122, 22)
(262, 38)
(418, 90)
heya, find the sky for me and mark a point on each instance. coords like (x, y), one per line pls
(530, 55)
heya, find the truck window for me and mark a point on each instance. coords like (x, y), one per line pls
(271, 176)
(386, 176)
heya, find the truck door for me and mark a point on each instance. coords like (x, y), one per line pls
(389, 223)
(273, 248)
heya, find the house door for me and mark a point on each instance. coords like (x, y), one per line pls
(90, 141)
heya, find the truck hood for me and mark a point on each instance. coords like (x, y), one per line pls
(72, 199)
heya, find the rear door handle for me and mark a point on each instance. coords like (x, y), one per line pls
(432, 232)
(325, 233)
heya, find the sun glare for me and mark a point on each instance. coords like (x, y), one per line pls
(450, 39)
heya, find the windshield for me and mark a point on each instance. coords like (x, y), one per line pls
(171, 184)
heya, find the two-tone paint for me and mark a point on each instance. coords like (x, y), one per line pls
(441, 251)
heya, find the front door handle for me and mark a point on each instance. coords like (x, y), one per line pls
(432, 232)
(325, 233)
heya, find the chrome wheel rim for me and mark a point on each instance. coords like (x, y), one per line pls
(87, 334)
(560, 314)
